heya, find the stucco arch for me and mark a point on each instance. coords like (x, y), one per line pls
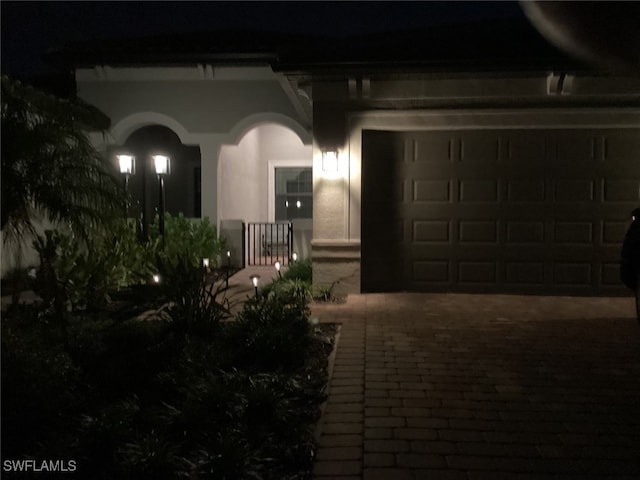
(248, 123)
(125, 127)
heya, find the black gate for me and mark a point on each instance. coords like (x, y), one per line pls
(270, 243)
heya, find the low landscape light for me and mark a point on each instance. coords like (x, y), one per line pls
(205, 262)
(294, 256)
(255, 280)
(156, 278)
(277, 267)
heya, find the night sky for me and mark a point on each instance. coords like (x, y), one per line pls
(29, 28)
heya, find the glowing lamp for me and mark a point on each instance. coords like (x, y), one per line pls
(162, 164)
(330, 161)
(126, 163)
(255, 279)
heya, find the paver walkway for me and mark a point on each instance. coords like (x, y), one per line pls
(454, 386)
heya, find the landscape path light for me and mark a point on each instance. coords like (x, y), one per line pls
(255, 280)
(162, 165)
(277, 267)
(294, 257)
(228, 267)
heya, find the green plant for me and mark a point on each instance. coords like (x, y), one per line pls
(186, 240)
(273, 331)
(194, 306)
(300, 270)
(76, 274)
(50, 167)
(39, 385)
(296, 281)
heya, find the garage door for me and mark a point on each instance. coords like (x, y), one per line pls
(527, 210)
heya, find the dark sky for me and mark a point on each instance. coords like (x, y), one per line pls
(29, 28)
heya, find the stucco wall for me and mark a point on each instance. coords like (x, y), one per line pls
(240, 178)
(201, 107)
(245, 171)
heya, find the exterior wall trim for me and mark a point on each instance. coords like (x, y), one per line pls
(131, 123)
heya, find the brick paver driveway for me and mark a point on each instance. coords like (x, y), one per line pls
(456, 386)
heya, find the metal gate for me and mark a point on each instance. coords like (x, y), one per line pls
(270, 243)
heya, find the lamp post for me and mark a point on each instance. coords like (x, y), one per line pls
(127, 166)
(162, 164)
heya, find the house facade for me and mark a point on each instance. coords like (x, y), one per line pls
(417, 171)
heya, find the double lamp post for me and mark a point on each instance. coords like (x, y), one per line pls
(162, 165)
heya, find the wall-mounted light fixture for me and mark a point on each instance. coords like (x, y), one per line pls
(329, 161)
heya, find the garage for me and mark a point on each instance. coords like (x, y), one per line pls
(522, 210)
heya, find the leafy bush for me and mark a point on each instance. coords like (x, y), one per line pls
(300, 270)
(39, 383)
(76, 274)
(296, 281)
(194, 306)
(186, 240)
(273, 330)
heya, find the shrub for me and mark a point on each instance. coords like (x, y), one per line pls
(300, 270)
(75, 275)
(186, 240)
(272, 331)
(38, 386)
(194, 306)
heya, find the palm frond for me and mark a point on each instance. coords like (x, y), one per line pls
(50, 165)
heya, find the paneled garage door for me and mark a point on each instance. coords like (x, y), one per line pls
(527, 210)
